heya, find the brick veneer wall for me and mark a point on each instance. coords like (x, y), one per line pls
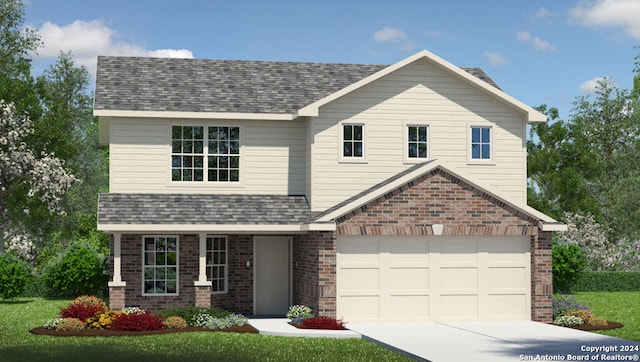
(239, 297)
(441, 198)
(314, 272)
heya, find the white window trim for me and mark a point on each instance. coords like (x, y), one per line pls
(205, 183)
(341, 157)
(405, 142)
(226, 265)
(492, 149)
(177, 266)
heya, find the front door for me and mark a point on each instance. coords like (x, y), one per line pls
(271, 275)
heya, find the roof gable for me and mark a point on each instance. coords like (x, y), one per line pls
(475, 80)
(168, 85)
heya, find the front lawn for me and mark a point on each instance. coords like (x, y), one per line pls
(623, 307)
(17, 344)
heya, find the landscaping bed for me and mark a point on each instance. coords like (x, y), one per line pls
(591, 328)
(247, 328)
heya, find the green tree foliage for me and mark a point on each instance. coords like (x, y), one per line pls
(14, 276)
(80, 270)
(16, 43)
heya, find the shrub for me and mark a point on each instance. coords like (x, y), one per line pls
(175, 322)
(322, 322)
(69, 325)
(102, 320)
(202, 320)
(608, 281)
(80, 270)
(563, 303)
(188, 313)
(137, 322)
(89, 300)
(133, 310)
(598, 322)
(14, 276)
(297, 313)
(228, 321)
(52, 323)
(568, 321)
(586, 315)
(80, 311)
(569, 262)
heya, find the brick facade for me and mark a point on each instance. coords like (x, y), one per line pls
(440, 198)
(239, 297)
(435, 198)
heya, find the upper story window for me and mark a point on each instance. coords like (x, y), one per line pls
(352, 141)
(160, 274)
(417, 142)
(191, 156)
(187, 153)
(217, 263)
(480, 143)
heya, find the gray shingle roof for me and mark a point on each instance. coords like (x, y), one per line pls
(199, 85)
(184, 209)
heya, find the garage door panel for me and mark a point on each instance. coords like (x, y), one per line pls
(459, 251)
(359, 279)
(366, 307)
(458, 278)
(459, 307)
(509, 306)
(507, 278)
(414, 251)
(410, 307)
(359, 251)
(409, 279)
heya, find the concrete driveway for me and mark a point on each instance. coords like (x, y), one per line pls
(496, 341)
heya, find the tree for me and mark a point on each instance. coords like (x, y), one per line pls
(16, 43)
(558, 167)
(69, 129)
(24, 175)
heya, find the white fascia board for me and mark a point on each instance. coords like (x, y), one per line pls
(553, 227)
(533, 116)
(194, 115)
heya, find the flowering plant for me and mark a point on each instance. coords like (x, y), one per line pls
(175, 322)
(563, 303)
(568, 321)
(322, 322)
(298, 313)
(69, 325)
(137, 322)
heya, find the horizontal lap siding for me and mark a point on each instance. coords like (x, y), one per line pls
(419, 93)
(272, 157)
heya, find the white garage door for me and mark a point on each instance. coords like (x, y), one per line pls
(431, 279)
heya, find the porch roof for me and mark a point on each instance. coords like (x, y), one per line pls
(201, 212)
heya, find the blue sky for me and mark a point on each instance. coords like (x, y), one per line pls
(546, 51)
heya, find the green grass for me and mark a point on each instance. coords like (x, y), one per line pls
(17, 344)
(622, 307)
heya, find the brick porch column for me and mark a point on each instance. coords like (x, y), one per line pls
(541, 277)
(202, 285)
(117, 298)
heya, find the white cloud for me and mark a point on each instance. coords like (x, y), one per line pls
(88, 39)
(538, 44)
(388, 35)
(542, 45)
(541, 13)
(591, 86)
(524, 36)
(495, 59)
(393, 35)
(609, 13)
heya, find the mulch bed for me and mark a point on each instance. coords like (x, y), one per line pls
(610, 325)
(247, 328)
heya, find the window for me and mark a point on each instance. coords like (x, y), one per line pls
(187, 153)
(160, 265)
(417, 142)
(480, 143)
(224, 154)
(217, 263)
(191, 155)
(353, 140)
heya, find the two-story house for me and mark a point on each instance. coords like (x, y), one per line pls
(366, 192)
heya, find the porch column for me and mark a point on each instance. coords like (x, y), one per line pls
(202, 285)
(117, 286)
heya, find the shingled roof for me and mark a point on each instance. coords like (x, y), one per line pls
(186, 209)
(198, 85)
